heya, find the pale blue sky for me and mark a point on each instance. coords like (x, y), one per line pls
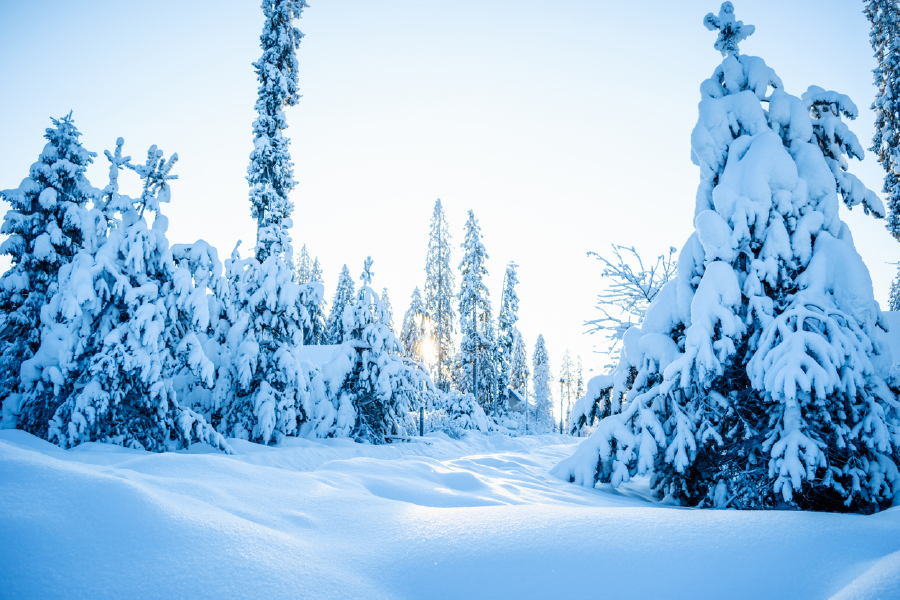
(564, 125)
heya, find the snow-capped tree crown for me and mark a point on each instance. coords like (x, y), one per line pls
(731, 31)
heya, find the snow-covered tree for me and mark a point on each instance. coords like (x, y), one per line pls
(439, 296)
(507, 332)
(894, 293)
(303, 266)
(415, 331)
(315, 334)
(344, 296)
(579, 378)
(388, 310)
(44, 225)
(120, 327)
(542, 415)
(378, 382)
(631, 288)
(884, 16)
(518, 368)
(761, 372)
(271, 171)
(567, 373)
(454, 414)
(262, 385)
(478, 346)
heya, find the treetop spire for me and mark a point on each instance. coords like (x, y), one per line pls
(731, 31)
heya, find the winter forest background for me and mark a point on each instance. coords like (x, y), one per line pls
(289, 352)
(150, 342)
(540, 120)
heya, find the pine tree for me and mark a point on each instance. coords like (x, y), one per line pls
(439, 294)
(388, 310)
(518, 369)
(542, 420)
(308, 274)
(884, 16)
(894, 295)
(380, 384)
(121, 327)
(567, 373)
(759, 379)
(579, 378)
(271, 171)
(478, 346)
(414, 334)
(303, 267)
(344, 296)
(506, 324)
(317, 332)
(44, 226)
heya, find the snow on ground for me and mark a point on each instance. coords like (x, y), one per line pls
(476, 518)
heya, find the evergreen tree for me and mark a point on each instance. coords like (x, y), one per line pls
(44, 225)
(121, 327)
(542, 419)
(271, 171)
(380, 384)
(894, 295)
(317, 332)
(567, 373)
(579, 378)
(414, 333)
(884, 16)
(388, 310)
(506, 324)
(478, 346)
(760, 373)
(303, 267)
(344, 296)
(519, 364)
(439, 285)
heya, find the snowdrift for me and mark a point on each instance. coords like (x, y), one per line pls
(472, 518)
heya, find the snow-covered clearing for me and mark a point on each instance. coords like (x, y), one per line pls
(476, 518)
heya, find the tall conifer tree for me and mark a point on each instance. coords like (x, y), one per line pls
(478, 346)
(44, 227)
(439, 296)
(507, 332)
(271, 170)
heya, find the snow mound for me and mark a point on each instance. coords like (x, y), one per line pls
(436, 518)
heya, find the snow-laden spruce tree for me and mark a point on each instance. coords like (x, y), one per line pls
(518, 366)
(415, 330)
(120, 327)
(478, 346)
(262, 385)
(507, 332)
(760, 369)
(377, 384)
(314, 303)
(344, 296)
(541, 420)
(44, 225)
(271, 171)
(388, 309)
(303, 266)
(439, 296)
(884, 16)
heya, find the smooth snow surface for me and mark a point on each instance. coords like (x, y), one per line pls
(475, 518)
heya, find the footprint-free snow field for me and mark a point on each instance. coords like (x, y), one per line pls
(436, 518)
